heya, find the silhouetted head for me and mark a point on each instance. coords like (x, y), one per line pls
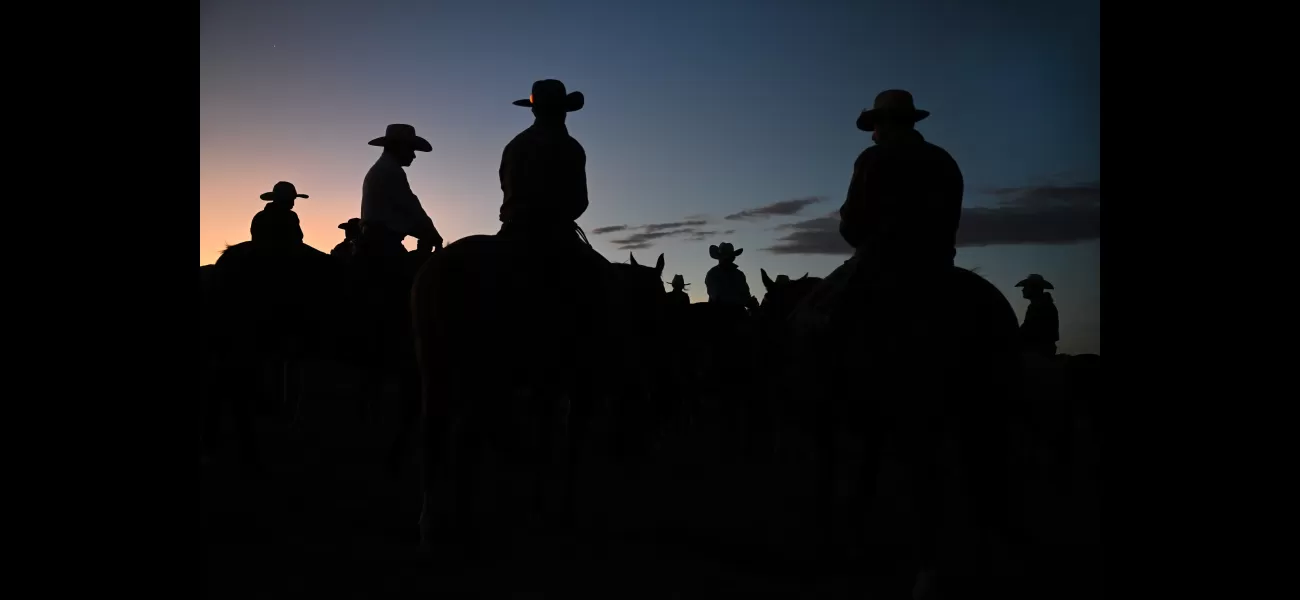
(645, 283)
(550, 101)
(401, 143)
(1034, 286)
(679, 283)
(351, 229)
(283, 194)
(724, 253)
(893, 112)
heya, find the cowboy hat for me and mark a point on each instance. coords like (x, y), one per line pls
(399, 134)
(724, 250)
(679, 280)
(1035, 281)
(550, 94)
(890, 103)
(353, 223)
(282, 191)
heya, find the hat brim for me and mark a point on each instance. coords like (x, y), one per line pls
(573, 101)
(867, 120)
(416, 143)
(272, 196)
(1035, 283)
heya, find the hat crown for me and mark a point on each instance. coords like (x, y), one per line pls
(400, 131)
(284, 188)
(548, 89)
(894, 100)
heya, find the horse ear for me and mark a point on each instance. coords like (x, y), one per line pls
(659, 264)
(767, 281)
(633, 258)
(805, 276)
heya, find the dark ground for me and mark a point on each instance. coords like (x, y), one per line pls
(326, 520)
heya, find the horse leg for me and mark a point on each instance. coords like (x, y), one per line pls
(292, 390)
(211, 398)
(242, 405)
(411, 405)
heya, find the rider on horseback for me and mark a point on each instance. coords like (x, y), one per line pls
(1041, 329)
(544, 172)
(351, 232)
(904, 200)
(276, 222)
(389, 210)
(725, 282)
(678, 297)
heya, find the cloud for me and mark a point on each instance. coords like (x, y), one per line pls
(676, 225)
(645, 239)
(1040, 214)
(784, 208)
(640, 237)
(814, 236)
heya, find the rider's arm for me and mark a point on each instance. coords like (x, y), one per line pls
(859, 207)
(418, 223)
(577, 178)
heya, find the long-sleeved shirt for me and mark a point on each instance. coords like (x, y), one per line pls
(726, 284)
(276, 222)
(387, 200)
(1042, 324)
(904, 204)
(543, 176)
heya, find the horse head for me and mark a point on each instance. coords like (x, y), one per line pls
(783, 293)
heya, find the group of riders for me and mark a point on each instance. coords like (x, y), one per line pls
(901, 213)
(898, 304)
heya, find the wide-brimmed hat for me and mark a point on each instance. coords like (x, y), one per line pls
(282, 191)
(352, 224)
(724, 250)
(892, 104)
(1035, 281)
(399, 134)
(679, 280)
(549, 94)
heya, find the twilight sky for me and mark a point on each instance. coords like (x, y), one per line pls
(725, 120)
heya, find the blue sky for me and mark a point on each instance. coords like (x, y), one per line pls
(693, 108)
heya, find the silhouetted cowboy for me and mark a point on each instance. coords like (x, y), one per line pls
(725, 282)
(1041, 329)
(678, 296)
(351, 232)
(389, 210)
(904, 200)
(276, 222)
(544, 170)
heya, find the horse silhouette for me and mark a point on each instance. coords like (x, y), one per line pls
(510, 371)
(932, 385)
